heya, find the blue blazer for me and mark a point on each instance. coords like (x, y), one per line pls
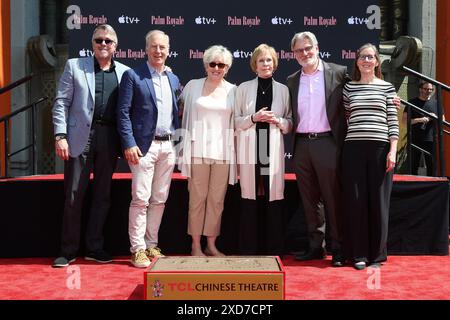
(137, 113)
(73, 108)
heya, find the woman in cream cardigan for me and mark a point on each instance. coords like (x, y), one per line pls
(208, 155)
(262, 116)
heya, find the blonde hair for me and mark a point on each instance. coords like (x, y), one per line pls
(262, 48)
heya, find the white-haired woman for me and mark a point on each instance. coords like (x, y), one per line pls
(208, 156)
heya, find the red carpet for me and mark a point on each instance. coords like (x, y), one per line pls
(178, 176)
(401, 278)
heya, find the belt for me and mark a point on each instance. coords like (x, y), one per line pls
(105, 123)
(167, 137)
(314, 135)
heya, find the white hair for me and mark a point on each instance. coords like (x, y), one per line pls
(218, 51)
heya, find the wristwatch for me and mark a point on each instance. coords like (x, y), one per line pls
(60, 136)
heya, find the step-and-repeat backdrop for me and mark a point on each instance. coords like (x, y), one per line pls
(340, 26)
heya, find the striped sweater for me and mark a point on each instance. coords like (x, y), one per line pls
(370, 111)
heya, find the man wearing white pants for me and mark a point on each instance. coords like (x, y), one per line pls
(147, 119)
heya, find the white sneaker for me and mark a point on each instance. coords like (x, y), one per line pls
(139, 259)
(153, 252)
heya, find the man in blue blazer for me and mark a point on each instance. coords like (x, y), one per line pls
(87, 140)
(147, 118)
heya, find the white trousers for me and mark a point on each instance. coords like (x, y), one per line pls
(149, 191)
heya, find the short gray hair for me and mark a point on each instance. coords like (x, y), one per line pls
(151, 33)
(304, 35)
(218, 51)
(108, 29)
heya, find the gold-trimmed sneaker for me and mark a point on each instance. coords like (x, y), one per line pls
(139, 259)
(153, 252)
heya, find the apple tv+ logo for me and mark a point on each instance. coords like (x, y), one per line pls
(85, 53)
(204, 20)
(239, 54)
(127, 19)
(356, 20)
(281, 21)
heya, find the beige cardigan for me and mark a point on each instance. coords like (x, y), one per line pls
(190, 94)
(246, 138)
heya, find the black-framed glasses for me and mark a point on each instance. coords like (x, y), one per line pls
(100, 41)
(427, 89)
(369, 57)
(220, 65)
(305, 50)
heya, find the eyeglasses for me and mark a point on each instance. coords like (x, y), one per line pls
(428, 89)
(220, 65)
(100, 41)
(305, 50)
(369, 57)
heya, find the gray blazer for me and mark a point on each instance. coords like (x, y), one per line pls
(73, 108)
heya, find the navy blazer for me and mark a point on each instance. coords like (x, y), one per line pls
(137, 113)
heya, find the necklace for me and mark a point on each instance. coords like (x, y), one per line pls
(264, 90)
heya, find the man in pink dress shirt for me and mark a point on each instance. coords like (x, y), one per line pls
(319, 132)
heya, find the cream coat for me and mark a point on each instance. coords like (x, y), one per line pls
(246, 138)
(191, 92)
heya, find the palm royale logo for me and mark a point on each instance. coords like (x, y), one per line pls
(76, 19)
(319, 21)
(244, 21)
(348, 54)
(167, 21)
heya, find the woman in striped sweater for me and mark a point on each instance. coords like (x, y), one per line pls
(369, 157)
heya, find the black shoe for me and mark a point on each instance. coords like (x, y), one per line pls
(338, 260)
(99, 256)
(63, 261)
(316, 254)
(360, 265)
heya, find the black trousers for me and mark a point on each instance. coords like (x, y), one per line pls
(317, 164)
(261, 224)
(367, 190)
(99, 157)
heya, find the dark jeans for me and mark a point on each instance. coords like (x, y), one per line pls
(99, 157)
